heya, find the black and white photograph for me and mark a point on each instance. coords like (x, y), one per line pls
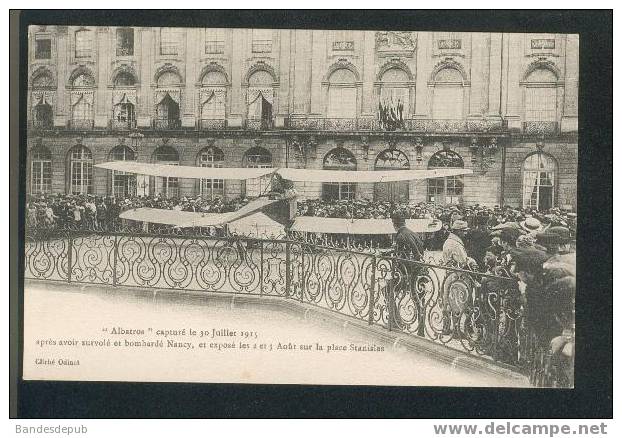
(301, 206)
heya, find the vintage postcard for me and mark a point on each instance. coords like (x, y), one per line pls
(295, 206)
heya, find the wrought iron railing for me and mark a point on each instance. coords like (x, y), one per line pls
(165, 123)
(210, 124)
(477, 313)
(541, 128)
(122, 125)
(42, 124)
(258, 124)
(81, 124)
(410, 125)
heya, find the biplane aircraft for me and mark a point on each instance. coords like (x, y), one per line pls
(277, 203)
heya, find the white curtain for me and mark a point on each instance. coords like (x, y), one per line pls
(161, 93)
(77, 95)
(212, 103)
(123, 96)
(530, 178)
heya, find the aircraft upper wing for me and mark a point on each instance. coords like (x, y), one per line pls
(169, 171)
(367, 176)
(311, 175)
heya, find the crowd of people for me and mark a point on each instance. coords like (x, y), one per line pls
(102, 212)
(536, 247)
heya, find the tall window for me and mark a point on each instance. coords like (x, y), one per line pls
(260, 98)
(394, 97)
(43, 47)
(125, 42)
(40, 171)
(341, 94)
(211, 188)
(262, 41)
(258, 158)
(166, 186)
(80, 171)
(122, 184)
(82, 110)
(123, 101)
(167, 98)
(539, 182)
(43, 114)
(541, 96)
(339, 159)
(214, 41)
(84, 43)
(448, 99)
(169, 41)
(447, 190)
(397, 191)
(213, 95)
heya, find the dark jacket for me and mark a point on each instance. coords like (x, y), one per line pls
(408, 242)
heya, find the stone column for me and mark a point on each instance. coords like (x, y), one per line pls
(103, 99)
(479, 74)
(571, 85)
(494, 84)
(238, 105)
(368, 50)
(424, 67)
(318, 66)
(190, 43)
(513, 73)
(62, 60)
(144, 92)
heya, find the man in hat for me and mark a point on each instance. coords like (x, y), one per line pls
(453, 248)
(408, 243)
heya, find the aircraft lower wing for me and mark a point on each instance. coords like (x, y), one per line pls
(182, 219)
(330, 225)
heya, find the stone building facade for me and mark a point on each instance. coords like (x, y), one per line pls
(504, 105)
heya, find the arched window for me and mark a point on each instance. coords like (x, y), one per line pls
(124, 101)
(213, 96)
(539, 182)
(397, 191)
(80, 171)
(82, 110)
(124, 79)
(257, 157)
(40, 171)
(44, 80)
(394, 98)
(122, 184)
(260, 99)
(42, 95)
(339, 159)
(447, 190)
(166, 186)
(167, 97)
(84, 43)
(448, 98)
(541, 96)
(341, 95)
(169, 79)
(211, 188)
(82, 101)
(43, 113)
